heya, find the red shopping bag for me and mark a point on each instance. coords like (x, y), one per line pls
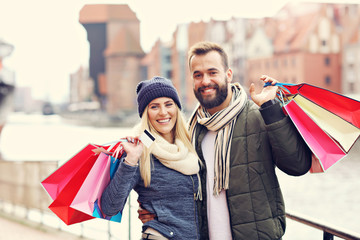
(335, 115)
(87, 199)
(64, 183)
(61, 205)
(345, 107)
(56, 181)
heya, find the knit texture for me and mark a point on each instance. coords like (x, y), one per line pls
(156, 87)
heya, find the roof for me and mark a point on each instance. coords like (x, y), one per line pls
(100, 13)
(292, 34)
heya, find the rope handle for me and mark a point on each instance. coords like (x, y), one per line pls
(282, 92)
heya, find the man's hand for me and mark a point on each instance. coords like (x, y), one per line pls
(267, 93)
(145, 215)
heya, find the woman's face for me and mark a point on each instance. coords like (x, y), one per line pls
(162, 113)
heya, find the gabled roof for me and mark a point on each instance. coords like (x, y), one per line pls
(101, 13)
(293, 33)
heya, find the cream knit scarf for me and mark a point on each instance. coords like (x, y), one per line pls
(223, 123)
(175, 156)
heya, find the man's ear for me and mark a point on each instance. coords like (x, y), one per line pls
(229, 75)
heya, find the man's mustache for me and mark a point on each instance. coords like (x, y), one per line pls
(215, 86)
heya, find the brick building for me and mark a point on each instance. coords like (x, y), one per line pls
(113, 32)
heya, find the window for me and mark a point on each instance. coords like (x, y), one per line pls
(327, 61)
(168, 59)
(168, 74)
(351, 87)
(327, 80)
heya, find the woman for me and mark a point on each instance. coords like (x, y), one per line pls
(165, 174)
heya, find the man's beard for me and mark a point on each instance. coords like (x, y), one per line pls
(218, 99)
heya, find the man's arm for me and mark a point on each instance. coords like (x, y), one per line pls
(290, 152)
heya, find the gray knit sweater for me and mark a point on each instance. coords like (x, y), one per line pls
(170, 195)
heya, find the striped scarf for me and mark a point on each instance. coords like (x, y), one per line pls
(223, 123)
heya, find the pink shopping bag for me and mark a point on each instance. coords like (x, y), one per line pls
(325, 149)
(87, 199)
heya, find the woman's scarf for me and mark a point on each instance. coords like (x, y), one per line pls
(175, 156)
(223, 123)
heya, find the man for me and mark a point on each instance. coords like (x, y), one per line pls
(240, 144)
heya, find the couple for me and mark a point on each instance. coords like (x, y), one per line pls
(218, 180)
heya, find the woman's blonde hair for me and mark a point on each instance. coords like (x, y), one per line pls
(181, 133)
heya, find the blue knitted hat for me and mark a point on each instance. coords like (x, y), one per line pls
(156, 87)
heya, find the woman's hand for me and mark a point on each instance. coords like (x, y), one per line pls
(133, 148)
(267, 93)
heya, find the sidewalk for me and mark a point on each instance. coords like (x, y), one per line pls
(12, 228)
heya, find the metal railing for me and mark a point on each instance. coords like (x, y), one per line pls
(329, 231)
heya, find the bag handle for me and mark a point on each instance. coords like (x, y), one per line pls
(283, 91)
(119, 149)
(108, 149)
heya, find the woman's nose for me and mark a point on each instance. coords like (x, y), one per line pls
(163, 110)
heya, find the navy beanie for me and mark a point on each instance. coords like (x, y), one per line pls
(156, 87)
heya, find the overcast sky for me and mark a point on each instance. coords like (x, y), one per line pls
(50, 43)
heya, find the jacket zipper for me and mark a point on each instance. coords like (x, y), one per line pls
(194, 192)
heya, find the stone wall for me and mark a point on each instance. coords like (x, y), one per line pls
(20, 183)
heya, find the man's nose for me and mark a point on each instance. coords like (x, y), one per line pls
(206, 79)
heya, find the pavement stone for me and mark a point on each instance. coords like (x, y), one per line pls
(13, 228)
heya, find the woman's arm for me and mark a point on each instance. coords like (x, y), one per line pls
(115, 194)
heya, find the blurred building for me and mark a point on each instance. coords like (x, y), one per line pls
(315, 43)
(351, 50)
(113, 32)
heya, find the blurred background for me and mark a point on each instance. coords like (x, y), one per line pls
(68, 72)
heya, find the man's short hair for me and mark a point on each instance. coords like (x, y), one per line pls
(202, 48)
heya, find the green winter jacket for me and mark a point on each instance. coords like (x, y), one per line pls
(255, 201)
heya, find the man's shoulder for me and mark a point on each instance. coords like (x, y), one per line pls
(250, 109)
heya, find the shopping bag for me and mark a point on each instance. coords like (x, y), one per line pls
(336, 115)
(325, 149)
(87, 199)
(61, 204)
(98, 213)
(64, 183)
(340, 130)
(56, 181)
(345, 107)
